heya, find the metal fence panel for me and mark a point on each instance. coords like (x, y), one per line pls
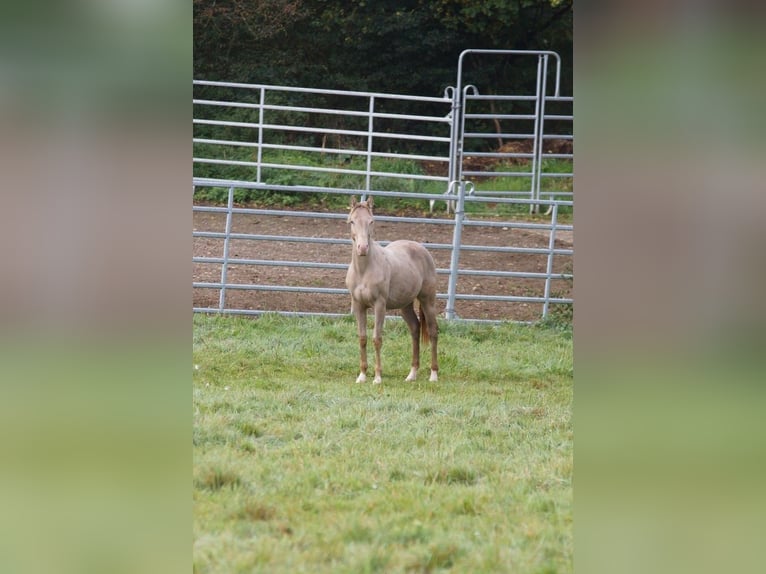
(362, 143)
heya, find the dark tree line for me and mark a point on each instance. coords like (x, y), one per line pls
(406, 46)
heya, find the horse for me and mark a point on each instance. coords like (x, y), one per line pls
(390, 277)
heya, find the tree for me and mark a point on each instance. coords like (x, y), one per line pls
(409, 46)
(229, 34)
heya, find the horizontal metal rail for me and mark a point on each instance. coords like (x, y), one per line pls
(333, 241)
(322, 130)
(213, 182)
(320, 169)
(271, 263)
(344, 266)
(349, 93)
(285, 288)
(334, 291)
(401, 219)
(322, 111)
(262, 312)
(343, 151)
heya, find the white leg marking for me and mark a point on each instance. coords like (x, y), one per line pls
(377, 380)
(434, 376)
(412, 376)
(362, 378)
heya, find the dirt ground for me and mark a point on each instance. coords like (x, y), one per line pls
(283, 250)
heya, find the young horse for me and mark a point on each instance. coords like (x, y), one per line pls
(390, 277)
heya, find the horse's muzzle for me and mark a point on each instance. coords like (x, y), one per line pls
(362, 249)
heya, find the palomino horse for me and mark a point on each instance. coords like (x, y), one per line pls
(390, 277)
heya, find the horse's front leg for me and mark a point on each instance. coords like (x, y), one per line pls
(361, 323)
(377, 338)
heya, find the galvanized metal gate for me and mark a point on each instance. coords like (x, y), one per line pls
(365, 145)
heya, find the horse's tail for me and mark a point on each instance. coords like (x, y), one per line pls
(424, 338)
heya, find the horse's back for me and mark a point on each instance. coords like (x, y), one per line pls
(406, 252)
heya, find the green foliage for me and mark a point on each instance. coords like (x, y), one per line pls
(297, 468)
(560, 316)
(406, 46)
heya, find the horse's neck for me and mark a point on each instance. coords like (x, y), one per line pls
(362, 263)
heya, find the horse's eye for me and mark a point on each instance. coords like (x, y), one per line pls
(352, 222)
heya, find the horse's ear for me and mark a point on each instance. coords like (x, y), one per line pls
(370, 203)
(353, 202)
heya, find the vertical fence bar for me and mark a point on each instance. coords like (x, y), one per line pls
(225, 264)
(537, 161)
(455, 159)
(541, 128)
(461, 139)
(455, 257)
(261, 112)
(549, 265)
(453, 133)
(370, 131)
(532, 206)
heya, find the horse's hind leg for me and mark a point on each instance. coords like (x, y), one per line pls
(411, 318)
(428, 312)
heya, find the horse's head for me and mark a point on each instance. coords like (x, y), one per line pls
(362, 225)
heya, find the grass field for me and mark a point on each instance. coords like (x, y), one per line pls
(299, 469)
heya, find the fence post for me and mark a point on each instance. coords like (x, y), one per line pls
(370, 131)
(549, 265)
(261, 112)
(537, 156)
(225, 265)
(456, 242)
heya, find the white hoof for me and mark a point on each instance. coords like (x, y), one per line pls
(377, 380)
(434, 377)
(412, 376)
(362, 378)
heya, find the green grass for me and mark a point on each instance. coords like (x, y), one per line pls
(299, 469)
